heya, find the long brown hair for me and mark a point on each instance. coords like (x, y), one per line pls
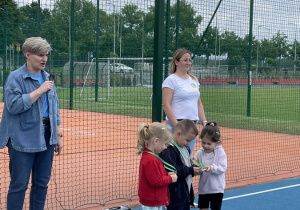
(176, 56)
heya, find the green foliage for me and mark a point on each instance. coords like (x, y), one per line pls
(115, 80)
(267, 50)
(120, 28)
(33, 19)
(279, 41)
(127, 81)
(208, 45)
(120, 80)
(132, 30)
(234, 63)
(1, 77)
(272, 62)
(234, 46)
(297, 63)
(188, 27)
(134, 81)
(10, 16)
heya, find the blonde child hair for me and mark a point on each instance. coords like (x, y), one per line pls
(146, 133)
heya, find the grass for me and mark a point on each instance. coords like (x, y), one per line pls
(272, 109)
(135, 102)
(267, 103)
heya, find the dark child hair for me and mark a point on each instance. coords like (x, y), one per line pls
(212, 130)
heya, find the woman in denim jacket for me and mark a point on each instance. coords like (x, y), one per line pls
(29, 126)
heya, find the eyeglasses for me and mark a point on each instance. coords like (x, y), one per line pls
(186, 60)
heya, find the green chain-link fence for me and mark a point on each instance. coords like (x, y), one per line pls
(110, 57)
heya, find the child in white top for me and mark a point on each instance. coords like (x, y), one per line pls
(213, 161)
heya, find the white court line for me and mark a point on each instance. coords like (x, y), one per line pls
(79, 131)
(260, 192)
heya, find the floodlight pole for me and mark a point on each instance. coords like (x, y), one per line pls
(72, 51)
(257, 49)
(177, 23)
(4, 42)
(295, 55)
(158, 61)
(97, 52)
(249, 59)
(114, 29)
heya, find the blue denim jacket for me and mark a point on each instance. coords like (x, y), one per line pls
(22, 121)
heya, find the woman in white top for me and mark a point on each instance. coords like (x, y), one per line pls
(181, 95)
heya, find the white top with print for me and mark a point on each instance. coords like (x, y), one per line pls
(185, 97)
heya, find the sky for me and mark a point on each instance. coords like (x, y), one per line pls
(270, 16)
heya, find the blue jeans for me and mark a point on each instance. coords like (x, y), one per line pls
(152, 208)
(191, 145)
(21, 164)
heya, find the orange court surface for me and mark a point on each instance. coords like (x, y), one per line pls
(98, 167)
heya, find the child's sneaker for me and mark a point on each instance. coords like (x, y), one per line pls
(119, 208)
(194, 205)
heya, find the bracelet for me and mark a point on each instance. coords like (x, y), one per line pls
(60, 134)
(204, 121)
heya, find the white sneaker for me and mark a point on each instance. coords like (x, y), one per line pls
(194, 205)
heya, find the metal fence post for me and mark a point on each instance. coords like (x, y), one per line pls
(249, 60)
(158, 60)
(72, 53)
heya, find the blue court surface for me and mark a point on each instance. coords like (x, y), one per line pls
(277, 195)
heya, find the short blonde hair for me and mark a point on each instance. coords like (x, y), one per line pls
(36, 45)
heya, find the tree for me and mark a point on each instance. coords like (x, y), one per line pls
(208, 46)
(234, 62)
(32, 19)
(279, 41)
(267, 50)
(132, 30)
(10, 18)
(188, 26)
(234, 46)
(294, 48)
(58, 28)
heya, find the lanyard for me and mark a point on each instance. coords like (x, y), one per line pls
(200, 158)
(199, 164)
(166, 165)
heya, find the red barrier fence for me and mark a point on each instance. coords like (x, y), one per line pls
(245, 81)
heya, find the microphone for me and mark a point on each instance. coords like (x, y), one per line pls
(51, 77)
